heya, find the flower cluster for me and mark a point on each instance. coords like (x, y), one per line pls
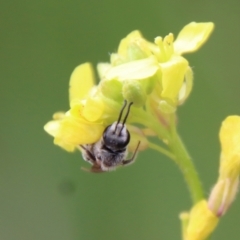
(153, 75)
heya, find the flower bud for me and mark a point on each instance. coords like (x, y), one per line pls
(202, 222)
(134, 92)
(230, 156)
(112, 89)
(222, 195)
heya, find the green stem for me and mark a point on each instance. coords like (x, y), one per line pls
(186, 166)
(177, 151)
(142, 117)
(162, 150)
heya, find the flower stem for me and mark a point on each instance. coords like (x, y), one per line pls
(186, 166)
(177, 150)
(162, 150)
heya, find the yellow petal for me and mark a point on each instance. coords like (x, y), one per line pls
(230, 135)
(81, 81)
(58, 115)
(122, 49)
(91, 108)
(102, 69)
(133, 47)
(73, 132)
(230, 143)
(136, 70)
(94, 109)
(201, 222)
(64, 144)
(192, 37)
(173, 73)
(52, 127)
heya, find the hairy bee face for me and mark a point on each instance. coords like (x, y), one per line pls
(116, 136)
(111, 150)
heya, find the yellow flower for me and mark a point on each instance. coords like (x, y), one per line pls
(177, 75)
(202, 221)
(225, 190)
(82, 124)
(145, 73)
(90, 113)
(139, 64)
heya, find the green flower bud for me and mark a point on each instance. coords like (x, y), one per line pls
(134, 91)
(112, 89)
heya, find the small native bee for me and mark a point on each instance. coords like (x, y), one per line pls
(111, 150)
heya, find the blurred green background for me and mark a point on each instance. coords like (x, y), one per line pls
(43, 193)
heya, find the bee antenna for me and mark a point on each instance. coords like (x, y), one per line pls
(125, 118)
(120, 115)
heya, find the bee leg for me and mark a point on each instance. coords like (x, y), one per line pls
(91, 158)
(132, 159)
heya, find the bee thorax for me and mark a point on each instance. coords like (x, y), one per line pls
(110, 160)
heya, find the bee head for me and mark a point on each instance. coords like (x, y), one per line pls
(116, 139)
(116, 136)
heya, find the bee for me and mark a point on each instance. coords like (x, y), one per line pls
(111, 150)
